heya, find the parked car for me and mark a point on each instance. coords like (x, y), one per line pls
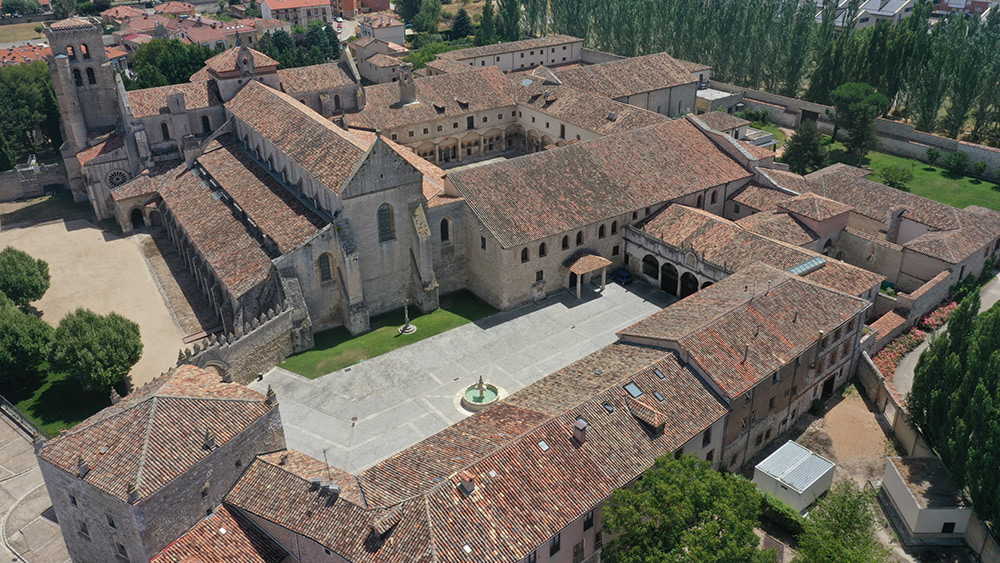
(622, 276)
(340, 19)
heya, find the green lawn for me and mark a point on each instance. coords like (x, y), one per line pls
(58, 403)
(772, 129)
(42, 209)
(932, 182)
(336, 349)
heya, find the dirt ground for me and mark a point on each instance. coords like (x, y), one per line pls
(104, 272)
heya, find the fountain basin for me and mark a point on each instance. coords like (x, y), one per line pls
(475, 400)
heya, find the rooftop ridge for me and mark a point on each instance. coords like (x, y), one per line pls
(145, 443)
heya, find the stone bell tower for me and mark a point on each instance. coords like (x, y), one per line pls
(83, 78)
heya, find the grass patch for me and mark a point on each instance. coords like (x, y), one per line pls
(19, 32)
(336, 349)
(932, 182)
(59, 403)
(773, 130)
(40, 209)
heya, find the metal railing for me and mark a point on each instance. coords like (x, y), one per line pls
(20, 419)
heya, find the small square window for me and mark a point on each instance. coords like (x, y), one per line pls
(532, 557)
(393, 136)
(531, 53)
(658, 396)
(659, 373)
(454, 125)
(546, 124)
(440, 128)
(425, 130)
(499, 117)
(616, 250)
(767, 435)
(539, 275)
(327, 551)
(485, 119)
(588, 521)
(409, 134)
(948, 528)
(513, 113)
(564, 47)
(239, 463)
(522, 56)
(532, 119)
(555, 544)
(633, 390)
(498, 58)
(736, 208)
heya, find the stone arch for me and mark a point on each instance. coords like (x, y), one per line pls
(650, 266)
(206, 124)
(701, 202)
(84, 51)
(614, 227)
(136, 217)
(689, 284)
(690, 260)
(219, 368)
(70, 52)
(77, 77)
(715, 197)
(386, 226)
(669, 278)
(602, 232)
(706, 284)
(165, 130)
(446, 229)
(91, 77)
(325, 265)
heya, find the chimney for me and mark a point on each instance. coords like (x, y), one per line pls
(467, 486)
(82, 468)
(407, 89)
(272, 397)
(209, 439)
(580, 430)
(284, 459)
(133, 493)
(115, 397)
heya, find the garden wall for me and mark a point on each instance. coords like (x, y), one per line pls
(25, 183)
(926, 297)
(897, 138)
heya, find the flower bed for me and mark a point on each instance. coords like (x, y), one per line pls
(887, 360)
(936, 318)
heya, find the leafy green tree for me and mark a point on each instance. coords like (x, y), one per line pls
(23, 279)
(8, 160)
(932, 155)
(510, 19)
(429, 17)
(956, 162)
(408, 9)
(167, 61)
(63, 8)
(979, 168)
(96, 351)
(683, 510)
(21, 7)
(253, 10)
(29, 114)
(896, 176)
(856, 106)
(462, 26)
(24, 345)
(841, 529)
(804, 151)
(487, 26)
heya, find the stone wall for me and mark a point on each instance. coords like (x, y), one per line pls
(15, 184)
(925, 298)
(979, 538)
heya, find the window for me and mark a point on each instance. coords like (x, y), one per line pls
(710, 456)
(579, 238)
(701, 202)
(485, 119)
(633, 390)
(439, 128)
(614, 227)
(324, 267)
(774, 378)
(522, 55)
(165, 131)
(206, 124)
(541, 250)
(554, 544)
(70, 52)
(91, 79)
(607, 406)
(635, 215)
(393, 136)
(409, 133)
(77, 79)
(600, 232)
(85, 51)
(770, 403)
(658, 396)
(454, 125)
(524, 255)
(72, 501)
(111, 521)
(83, 528)
(532, 557)
(482, 243)
(499, 116)
(588, 521)
(767, 435)
(425, 130)
(445, 230)
(715, 197)
(758, 439)
(616, 250)
(948, 528)
(736, 209)
(531, 53)
(706, 438)
(539, 275)
(565, 242)
(386, 229)
(850, 326)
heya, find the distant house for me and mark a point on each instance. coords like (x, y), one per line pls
(175, 9)
(297, 12)
(921, 494)
(382, 25)
(351, 8)
(795, 475)
(871, 12)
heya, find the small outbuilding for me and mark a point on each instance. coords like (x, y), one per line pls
(794, 474)
(924, 498)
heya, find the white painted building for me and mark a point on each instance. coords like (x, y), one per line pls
(795, 475)
(924, 498)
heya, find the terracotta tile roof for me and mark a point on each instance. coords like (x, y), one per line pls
(779, 226)
(450, 66)
(509, 47)
(587, 263)
(585, 110)
(18, 54)
(722, 121)
(524, 492)
(107, 146)
(228, 61)
(223, 537)
(757, 153)
(815, 207)
(145, 184)
(115, 53)
(554, 191)
(628, 77)
(888, 323)
(236, 257)
(787, 180)
(381, 20)
(748, 325)
(153, 101)
(727, 245)
(876, 239)
(174, 8)
(314, 78)
(278, 213)
(383, 61)
(692, 66)
(120, 12)
(74, 23)
(157, 432)
(324, 150)
(438, 97)
(295, 4)
(760, 198)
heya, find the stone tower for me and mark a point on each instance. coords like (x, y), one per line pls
(84, 81)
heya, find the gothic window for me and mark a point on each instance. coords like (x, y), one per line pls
(386, 229)
(85, 51)
(324, 267)
(116, 178)
(524, 255)
(541, 250)
(91, 79)
(579, 238)
(206, 124)
(165, 131)
(701, 202)
(77, 77)
(445, 230)
(715, 197)
(614, 227)
(601, 232)
(565, 242)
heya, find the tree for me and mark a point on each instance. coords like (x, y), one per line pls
(8, 160)
(487, 26)
(96, 351)
(683, 510)
(38, 29)
(167, 61)
(804, 151)
(462, 26)
(23, 279)
(429, 16)
(979, 168)
(21, 7)
(24, 345)
(932, 155)
(841, 529)
(253, 10)
(63, 8)
(896, 176)
(856, 106)
(408, 9)
(29, 114)
(510, 20)
(956, 162)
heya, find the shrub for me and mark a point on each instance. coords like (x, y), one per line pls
(936, 318)
(784, 516)
(979, 168)
(896, 176)
(23, 279)
(754, 115)
(932, 155)
(888, 359)
(956, 162)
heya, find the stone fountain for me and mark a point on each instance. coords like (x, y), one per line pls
(479, 396)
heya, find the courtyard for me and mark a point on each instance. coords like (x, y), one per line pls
(362, 414)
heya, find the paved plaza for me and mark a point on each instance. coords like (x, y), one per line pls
(363, 414)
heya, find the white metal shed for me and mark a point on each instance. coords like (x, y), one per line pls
(795, 475)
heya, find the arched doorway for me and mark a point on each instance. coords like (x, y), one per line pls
(668, 279)
(137, 220)
(572, 281)
(689, 284)
(706, 284)
(650, 266)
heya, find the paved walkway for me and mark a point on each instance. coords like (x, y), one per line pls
(903, 378)
(26, 535)
(365, 413)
